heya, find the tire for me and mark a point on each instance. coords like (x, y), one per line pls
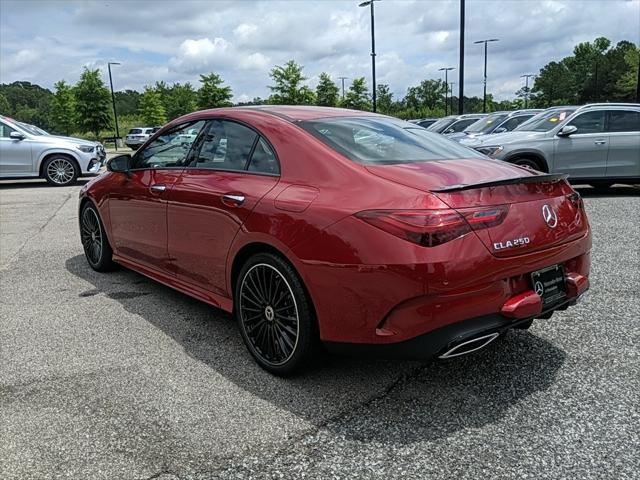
(60, 171)
(529, 162)
(96, 246)
(275, 315)
(603, 185)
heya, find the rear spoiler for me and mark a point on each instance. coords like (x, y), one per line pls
(549, 177)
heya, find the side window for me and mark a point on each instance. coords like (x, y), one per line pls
(5, 130)
(225, 145)
(170, 149)
(263, 159)
(624, 121)
(513, 122)
(590, 122)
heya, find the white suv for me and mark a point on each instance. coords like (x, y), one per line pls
(137, 136)
(27, 151)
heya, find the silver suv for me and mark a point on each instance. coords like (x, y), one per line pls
(597, 144)
(28, 151)
(137, 136)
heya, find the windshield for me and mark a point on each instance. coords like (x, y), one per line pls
(487, 124)
(545, 121)
(441, 124)
(376, 141)
(32, 129)
(133, 131)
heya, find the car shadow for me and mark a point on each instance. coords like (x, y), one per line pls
(8, 184)
(427, 400)
(611, 192)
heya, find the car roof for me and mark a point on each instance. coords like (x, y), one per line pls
(295, 113)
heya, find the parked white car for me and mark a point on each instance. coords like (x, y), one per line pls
(137, 136)
(27, 151)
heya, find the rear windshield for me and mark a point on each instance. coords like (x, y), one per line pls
(379, 141)
(545, 121)
(133, 131)
(486, 124)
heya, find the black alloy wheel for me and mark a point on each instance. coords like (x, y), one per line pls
(94, 241)
(274, 314)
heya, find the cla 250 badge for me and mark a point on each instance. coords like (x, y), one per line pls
(516, 242)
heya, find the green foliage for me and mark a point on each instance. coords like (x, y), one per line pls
(595, 72)
(212, 93)
(357, 97)
(63, 108)
(288, 87)
(127, 102)
(326, 91)
(151, 109)
(28, 103)
(384, 99)
(427, 96)
(93, 103)
(180, 99)
(5, 109)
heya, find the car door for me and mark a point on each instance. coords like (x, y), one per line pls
(138, 200)
(15, 154)
(231, 170)
(624, 143)
(583, 154)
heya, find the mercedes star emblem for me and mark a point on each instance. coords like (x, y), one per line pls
(549, 215)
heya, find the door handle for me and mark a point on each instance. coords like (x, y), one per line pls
(158, 187)
(600, 142)
(233, 199)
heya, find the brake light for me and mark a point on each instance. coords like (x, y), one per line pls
(430, 228)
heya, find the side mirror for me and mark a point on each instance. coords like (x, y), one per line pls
(500, 130)
(16, 136)
(120, 164)
(567, 130)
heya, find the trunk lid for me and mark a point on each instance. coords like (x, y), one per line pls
(543, 210)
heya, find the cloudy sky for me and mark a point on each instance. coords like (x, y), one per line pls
(175, 41)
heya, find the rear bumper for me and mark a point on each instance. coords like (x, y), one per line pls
(434, 343)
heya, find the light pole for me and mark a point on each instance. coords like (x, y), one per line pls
(113, 100)
(446, 86)
(461, 70)
(526, 88)
(451, 97)
(343, 79)
(484, 95)
(373, 49)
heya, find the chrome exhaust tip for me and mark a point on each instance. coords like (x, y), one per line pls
(470, 346)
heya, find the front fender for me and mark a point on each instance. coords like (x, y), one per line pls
(66, 151)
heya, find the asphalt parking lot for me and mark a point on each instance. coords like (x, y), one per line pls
(112, 376)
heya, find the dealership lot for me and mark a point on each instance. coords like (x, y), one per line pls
(115, 376)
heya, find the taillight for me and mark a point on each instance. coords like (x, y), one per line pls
(430, 228)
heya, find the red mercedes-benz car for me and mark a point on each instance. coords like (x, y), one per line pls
(337, 227)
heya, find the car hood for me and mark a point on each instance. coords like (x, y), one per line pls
(438, 174)
(502, 138)
(66, 140)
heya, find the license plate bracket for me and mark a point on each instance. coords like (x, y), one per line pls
(550, 284)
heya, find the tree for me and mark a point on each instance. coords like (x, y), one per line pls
(63, 108)
(384, 100)
(151, 109)
(180, 99)
(93, 103)
(357, 96)
(429, 95)
(212, 93)
(289, 88)
(326, 91)
(127, 102)
(553, 86)
(28, 103)
(5, 109)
